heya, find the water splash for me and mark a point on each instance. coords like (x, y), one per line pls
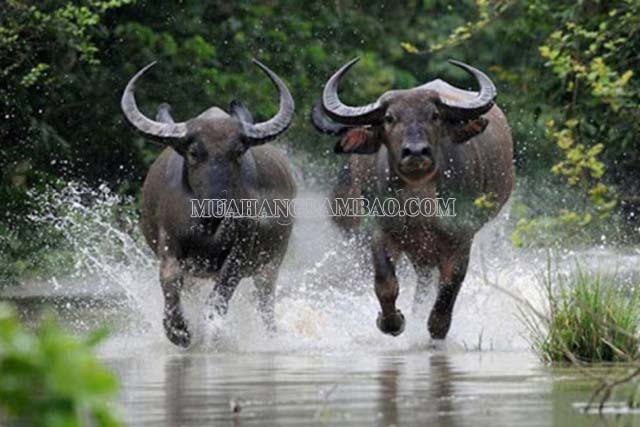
(111, 261)
(325, 298)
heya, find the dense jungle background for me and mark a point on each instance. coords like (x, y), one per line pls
(566, 72)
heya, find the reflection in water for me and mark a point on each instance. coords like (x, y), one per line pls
(176, 386)
(406, 395)
(388, 394)
(422, 388)
(442, 390)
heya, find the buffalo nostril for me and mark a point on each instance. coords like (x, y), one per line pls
(417, 151)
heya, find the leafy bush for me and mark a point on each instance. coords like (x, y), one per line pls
(584, 92)
(589, 320)
(544, 214)
(50, 379)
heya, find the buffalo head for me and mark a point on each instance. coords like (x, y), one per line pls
(415, 125)
(212, 144)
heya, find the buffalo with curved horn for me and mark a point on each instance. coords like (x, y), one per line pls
(215, 156)
(432, 142)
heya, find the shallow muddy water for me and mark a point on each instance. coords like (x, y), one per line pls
(407, 388)
(327, 364)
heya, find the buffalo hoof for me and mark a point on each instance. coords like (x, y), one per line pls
(175, 328)
(392, 324)
(438, 325)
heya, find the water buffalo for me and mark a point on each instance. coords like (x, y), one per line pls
(216, 155)
(431, 140)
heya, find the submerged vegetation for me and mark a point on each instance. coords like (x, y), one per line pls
(50, 379)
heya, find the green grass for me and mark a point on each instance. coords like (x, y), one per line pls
(590, 319)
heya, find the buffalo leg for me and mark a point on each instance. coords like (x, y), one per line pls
(265, 283)
(228, 280)
(423, 287)
(171, 280)
(453, 270)
(390, 320)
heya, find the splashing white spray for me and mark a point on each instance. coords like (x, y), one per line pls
(325, 291)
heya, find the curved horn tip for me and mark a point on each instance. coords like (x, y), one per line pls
(262, 132)
(132, 82)
(146, 67)
(351, 63)
(264, 68)
(468, 68)
(258, 62)
(472, 108)
(342, 70)
(345, 114)
(268, 71)
(170, 133)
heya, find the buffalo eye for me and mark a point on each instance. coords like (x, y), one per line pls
(435, 116)
(238, 148)
(194, 154)
(388, 118)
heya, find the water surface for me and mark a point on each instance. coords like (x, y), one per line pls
(414, 388)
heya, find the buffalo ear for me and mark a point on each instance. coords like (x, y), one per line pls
(462, 132)
(164, 113)
(238, 110)
(358, 141)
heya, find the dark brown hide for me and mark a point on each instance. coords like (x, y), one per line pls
(430, 145)
(214, 156)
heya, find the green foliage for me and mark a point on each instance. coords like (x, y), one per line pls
(487, 12)
(585, 103)
(48, 58)
(547, 215)
(486, 201)
(63, 66)
(589, 104)
(584, 54)
(50, 379)
(590, 319)
(32, 253)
